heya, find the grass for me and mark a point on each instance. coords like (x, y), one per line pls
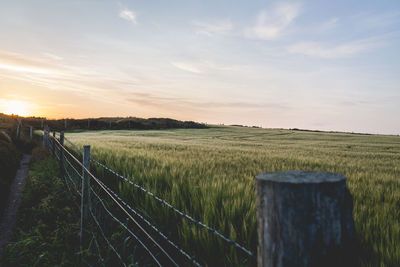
(48, 223)
(209, 173)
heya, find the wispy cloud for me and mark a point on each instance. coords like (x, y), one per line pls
(219, 27)
(20, 63)
(271, 23)
(339, 51)
(329, 24)
(187, 67)
(380, 20)
(52, 56)
(128, 15)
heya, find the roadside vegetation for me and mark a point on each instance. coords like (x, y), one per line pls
(9, 157)
(48, 223)
(47, 227)
(209, 174)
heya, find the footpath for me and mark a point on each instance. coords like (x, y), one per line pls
(10, 212)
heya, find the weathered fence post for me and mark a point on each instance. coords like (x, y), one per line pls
(62, 155)
(31, 132)
(304, 219)
(54, 143)
(19, 128)
(45, 136)
(85, 200)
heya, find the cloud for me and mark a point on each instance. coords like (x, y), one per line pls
(328, 25)
(186, 67)
(271, 23)
(220, 27)
(128, 15)
(169, 102)
(21, 63)
(52, 56)
(339, 51)
(382, 20)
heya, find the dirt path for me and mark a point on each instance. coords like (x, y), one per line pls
(9, 217)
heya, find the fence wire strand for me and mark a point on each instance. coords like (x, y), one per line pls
(153, 227)
(126, 228)
(118, 200)
(181, 213)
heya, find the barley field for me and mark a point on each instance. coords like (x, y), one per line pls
(209, 173)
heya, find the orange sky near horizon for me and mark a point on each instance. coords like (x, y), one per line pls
(272, 64)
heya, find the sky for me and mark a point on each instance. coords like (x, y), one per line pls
(326, 65)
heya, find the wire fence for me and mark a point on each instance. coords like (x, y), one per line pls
(125, 230)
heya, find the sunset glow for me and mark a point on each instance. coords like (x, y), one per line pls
(15, 107)
(275, 64)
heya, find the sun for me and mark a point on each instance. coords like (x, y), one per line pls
(16, 107)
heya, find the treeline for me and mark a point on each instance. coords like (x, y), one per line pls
(111, 123)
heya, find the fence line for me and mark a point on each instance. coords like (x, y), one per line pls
(70, 160)
(166, 203)
(70, 167)
(181, 213)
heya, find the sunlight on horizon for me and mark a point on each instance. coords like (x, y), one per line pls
(16, 107)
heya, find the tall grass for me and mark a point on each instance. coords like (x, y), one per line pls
(209, 173)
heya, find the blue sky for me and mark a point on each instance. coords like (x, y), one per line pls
(328, 65)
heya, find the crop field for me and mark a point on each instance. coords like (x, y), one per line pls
(209, 173)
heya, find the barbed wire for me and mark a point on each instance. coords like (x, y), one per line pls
(73, 145)
(181, 213)
(126, 228)
(105, 238)
(163, 201)
(122, 208)
(153, 227)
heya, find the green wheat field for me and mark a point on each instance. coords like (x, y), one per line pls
(209, 174)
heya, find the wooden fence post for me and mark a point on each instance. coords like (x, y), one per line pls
(304, 219)
(85, 199)
(45, 136)
(62, 155)
(19, 128)
(31, 132)
(65, 123)
(88, 123)
(54, 143)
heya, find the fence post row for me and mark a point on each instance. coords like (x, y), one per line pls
(304, 219)
(85, 198)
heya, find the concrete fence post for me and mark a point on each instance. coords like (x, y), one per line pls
(304, 219)
(85, 199)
